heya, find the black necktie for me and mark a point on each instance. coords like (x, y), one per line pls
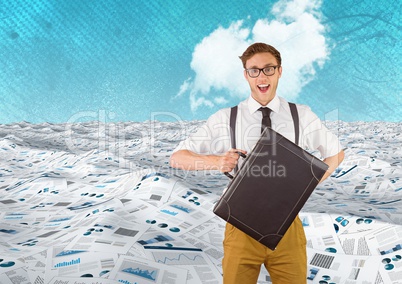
(266, 120)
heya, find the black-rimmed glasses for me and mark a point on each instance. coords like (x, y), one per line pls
(255, 72)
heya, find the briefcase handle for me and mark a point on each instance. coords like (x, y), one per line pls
(229, 175)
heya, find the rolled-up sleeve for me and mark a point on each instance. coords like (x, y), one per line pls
(213, 137)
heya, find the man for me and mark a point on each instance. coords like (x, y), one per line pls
(209, 149)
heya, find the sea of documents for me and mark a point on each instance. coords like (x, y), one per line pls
(96, 202)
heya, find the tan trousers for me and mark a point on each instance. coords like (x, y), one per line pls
(243, 257)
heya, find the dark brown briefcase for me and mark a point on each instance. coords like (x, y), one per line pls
(269, 190)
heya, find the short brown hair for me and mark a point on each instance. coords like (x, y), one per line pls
(260, 47)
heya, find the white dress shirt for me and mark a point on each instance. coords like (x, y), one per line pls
(214, 136)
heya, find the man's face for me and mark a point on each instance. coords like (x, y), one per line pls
(263, 87)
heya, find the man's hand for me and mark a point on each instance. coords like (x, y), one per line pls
(229, 160)
(333, 162)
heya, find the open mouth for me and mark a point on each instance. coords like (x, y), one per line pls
(263, 88)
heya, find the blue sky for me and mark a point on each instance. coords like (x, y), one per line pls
(114, 60)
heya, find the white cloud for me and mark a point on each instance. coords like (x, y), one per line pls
(296, 32)
(220, 100)
(184, 87)
(215, 62)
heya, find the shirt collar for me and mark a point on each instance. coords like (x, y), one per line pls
(253, 105)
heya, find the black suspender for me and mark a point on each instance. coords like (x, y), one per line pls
(295, 116)
(233, 116)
